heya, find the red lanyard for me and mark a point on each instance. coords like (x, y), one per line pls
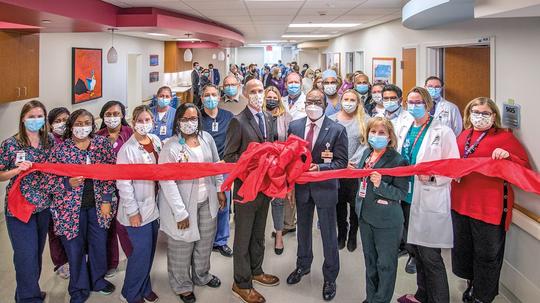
(369, 163)
(411, 147)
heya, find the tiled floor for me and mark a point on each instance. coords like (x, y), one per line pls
(351, 285)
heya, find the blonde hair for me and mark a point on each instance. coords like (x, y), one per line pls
(373, 122)
(360, 113)
(137, 111)
(281, 108)
(308, 72)
(426, 97)
(275, 72)
(481, 101)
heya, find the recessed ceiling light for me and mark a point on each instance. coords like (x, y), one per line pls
(158, 34)
(324, 24)
(46, 21)
(304, 36)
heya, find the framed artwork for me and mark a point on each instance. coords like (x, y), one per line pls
(154, 60)
(384, 70)
(86, 74)
(154, 77)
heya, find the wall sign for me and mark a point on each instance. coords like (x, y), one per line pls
(511, 115)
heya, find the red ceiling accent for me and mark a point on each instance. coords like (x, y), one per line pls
(9, 25)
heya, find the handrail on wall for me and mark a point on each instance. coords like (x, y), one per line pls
(527, 212)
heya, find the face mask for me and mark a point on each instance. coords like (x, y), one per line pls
(330, 89)
(417, 110)
(362, 88)
(256, 100)
(112, 122)
(81, 132)
(34, 124)
(378, 142)
(377, 97)
(271, 104)
(391, 105)
(143, 128)
(230, 91)
(206, 75)
(211, 102)
(435, 92)
(314, 112)
(164, 102)
(349, 106)
(59, 128)
(189, 128)
(480, 122)
(279, 75)
(293, 89)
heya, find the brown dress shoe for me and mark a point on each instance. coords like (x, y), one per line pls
(266, 280)
(248, 295)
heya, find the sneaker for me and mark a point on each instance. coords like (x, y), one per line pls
(124, 300)
(108, 289)
(111, 273)
(63, 271)
(151, 298)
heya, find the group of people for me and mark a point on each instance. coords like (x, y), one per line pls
(366, 126)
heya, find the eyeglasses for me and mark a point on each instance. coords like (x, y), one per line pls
(314, 102)
(416, 102)
(483, 114)
(192, 119)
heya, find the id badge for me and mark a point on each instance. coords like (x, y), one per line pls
(363, 189)
(215, 126)
(382, 202)
(20, 156)
(163, 130)
(327, 155)
(88, 161)
(148, 158)
(410, 187)
(183, 157)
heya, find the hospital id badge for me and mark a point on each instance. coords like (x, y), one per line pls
(327, 155)
(163, 130)
(88, 161)
(410, 187)
(215, 126)
(20, 156)
(363, 188)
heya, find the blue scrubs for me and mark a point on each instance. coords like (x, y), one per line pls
(163, 128)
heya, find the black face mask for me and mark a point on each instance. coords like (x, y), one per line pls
(271, 104)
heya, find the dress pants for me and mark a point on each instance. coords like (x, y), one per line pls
(327, 221)
(289, 217)
(346, 208)
(28, 242)
(87, 255)
(380, 247)
(478, 254)
(137, 283)
(248, 248)
(431, 276)
(58, 254)
(223, 218)
(406, 207)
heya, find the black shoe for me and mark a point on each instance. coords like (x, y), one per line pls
(410, 267)
(297, 275)
(108, 289)
(468, 293)
(351, 244)
(278, 251)
(329, 291)
(188, 298)
(402, 252)
(215, 282)
(224, 250)
(341, 242)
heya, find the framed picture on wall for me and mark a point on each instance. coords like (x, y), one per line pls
(154, 77)
(154, 60)
(86, 74)
(384, 70)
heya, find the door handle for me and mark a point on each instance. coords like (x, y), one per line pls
(25, 91)
(18, 92)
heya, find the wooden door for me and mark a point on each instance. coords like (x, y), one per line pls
(9, 71)
(29, 65)
(409, 69)
(466, 74)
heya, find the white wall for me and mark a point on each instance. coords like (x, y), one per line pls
(309, 56)
(517, 45)
(248, 55)
(287, 55)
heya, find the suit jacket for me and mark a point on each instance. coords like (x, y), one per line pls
(195, 81)
(244, 129)
(381, 207)
(217, 77)
(324, 193)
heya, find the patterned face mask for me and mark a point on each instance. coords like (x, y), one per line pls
(189, 127)
(481, 122)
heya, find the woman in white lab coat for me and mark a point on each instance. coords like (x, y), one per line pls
(138, 210)
(430, 224)
(188, 208)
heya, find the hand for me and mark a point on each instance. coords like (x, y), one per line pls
(313, 167)
(135, 220)
(424, 178)
(221, 161)
(106, 210)
(290, 198)
(352, 165)
(76, 181)
(184, 224)
(222, 199)
(376, 178)
(23, 166)
(500, 153)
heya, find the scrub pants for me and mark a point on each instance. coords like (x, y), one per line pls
(223, 217)
(137, 283)
(28, 242)
(87, 274)
(58, 254)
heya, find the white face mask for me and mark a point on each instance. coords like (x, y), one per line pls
(377, 97)
(143, 128)
(330, 89)
(349, 106)
(256, 100)
(314, 112)
(59, 128)
(189, 127)
(112, 122)
(81, 132)
(480, 122)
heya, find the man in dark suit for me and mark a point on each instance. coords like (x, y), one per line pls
(214, 75)
(253, 124)
(328, 142)
(195, 77)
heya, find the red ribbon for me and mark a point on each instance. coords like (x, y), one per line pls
(270, 168)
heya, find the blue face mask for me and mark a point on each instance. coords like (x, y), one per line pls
(391, 105)
(293, 89)
(34, 124)
(362, 88)
(164, 102)
(230, 91)
(211, 102)
(417, 110)
(435, 92)
(378, 142)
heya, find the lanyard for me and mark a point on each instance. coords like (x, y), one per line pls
(469, 150)
(370, 162)
(411, 147)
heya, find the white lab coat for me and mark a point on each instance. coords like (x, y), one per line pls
(137, 196)
(448, 113)
(430, 221)
(179, 199)
(298, 109)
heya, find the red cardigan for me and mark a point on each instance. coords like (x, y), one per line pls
(481, 197)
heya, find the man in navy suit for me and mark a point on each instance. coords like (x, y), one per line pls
(214, 74)
(328, 143)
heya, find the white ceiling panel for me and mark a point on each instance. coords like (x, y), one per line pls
(384, 3)
(327, 4)
(223, 4)
(224, 12)
(253, 5)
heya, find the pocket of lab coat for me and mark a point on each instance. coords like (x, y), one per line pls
(431, 199)
(147, 207)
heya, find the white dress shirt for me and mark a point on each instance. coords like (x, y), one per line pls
(316, 130)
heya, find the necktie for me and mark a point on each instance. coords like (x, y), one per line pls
(310, 134)
(261, 124)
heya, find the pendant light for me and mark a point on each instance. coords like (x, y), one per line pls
(112, 55)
